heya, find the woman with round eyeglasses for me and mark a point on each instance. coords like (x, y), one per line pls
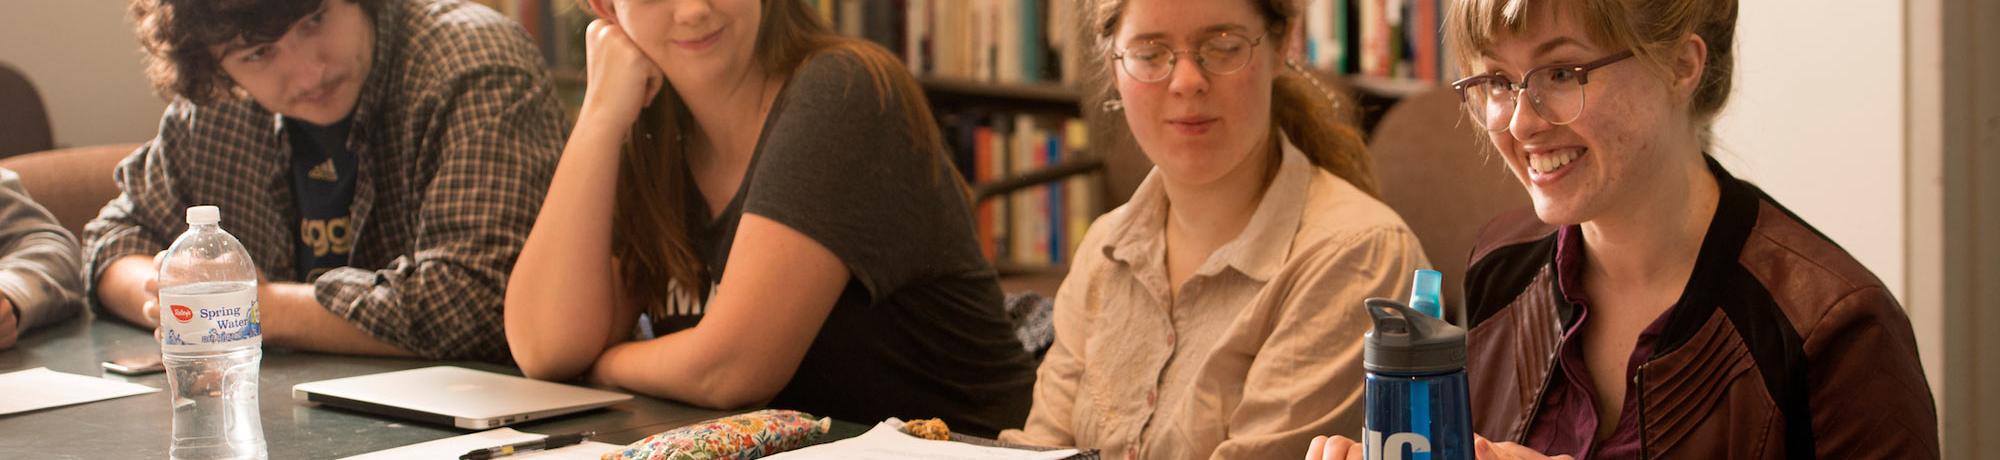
(1217, 314)
(1653, 305)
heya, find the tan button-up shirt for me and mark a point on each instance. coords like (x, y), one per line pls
(1258, 352)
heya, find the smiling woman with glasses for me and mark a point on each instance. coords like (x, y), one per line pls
(1653, 305)
(1217, 313)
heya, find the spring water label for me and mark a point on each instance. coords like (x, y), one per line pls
(209, 322)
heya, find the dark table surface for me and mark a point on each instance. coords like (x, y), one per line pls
(139, 426)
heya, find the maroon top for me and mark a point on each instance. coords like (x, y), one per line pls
(1567, 421)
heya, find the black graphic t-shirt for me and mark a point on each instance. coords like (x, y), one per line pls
(919, 331)
(323, 185)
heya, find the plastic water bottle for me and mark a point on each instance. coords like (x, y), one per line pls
(1419, 407)
(211, 339)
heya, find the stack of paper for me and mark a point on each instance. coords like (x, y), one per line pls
(41, 388)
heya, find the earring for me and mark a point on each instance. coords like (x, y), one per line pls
(1113, 105)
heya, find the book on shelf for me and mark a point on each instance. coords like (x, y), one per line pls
(988, 65)
(1039, 226)
(1379, 39)
(991, 41)
(1080, 198)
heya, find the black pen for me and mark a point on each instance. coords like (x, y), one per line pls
(551, 442)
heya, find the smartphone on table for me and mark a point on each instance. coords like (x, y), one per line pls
(135, 365)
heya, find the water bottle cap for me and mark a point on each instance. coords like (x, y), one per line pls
(1424, 295)
(204, 215)
(1405, 341)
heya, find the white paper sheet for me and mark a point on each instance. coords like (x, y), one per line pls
(885, 441)
(41, 388)
(456, 446)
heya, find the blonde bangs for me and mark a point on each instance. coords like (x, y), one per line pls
(1471, 26)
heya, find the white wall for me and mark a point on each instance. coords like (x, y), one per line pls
(82, 57)
(1817, 120)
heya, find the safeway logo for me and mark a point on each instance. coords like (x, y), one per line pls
(183, 313)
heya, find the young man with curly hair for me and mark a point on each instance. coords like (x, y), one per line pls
(382, 160)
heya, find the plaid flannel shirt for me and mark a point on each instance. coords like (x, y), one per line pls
(457, 134)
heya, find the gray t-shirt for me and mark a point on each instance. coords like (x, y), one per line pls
(919, 331)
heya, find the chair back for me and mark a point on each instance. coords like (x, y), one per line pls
(24, 121)
(73, 184)
(1439, 172)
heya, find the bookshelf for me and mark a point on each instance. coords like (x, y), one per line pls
(994, 73)
(950, 93)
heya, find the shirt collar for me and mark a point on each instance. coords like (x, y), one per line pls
(1258, 252)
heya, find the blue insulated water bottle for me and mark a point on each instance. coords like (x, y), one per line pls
(1418, 404)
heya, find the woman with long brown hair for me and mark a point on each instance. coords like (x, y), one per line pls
(755, 210)
(1218, 313)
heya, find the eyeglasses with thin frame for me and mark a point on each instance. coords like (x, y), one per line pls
(1554, 91)
(1222, 54)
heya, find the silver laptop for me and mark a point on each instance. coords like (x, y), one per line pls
(455, 396)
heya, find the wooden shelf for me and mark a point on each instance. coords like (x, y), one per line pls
(1009, 268)
(1082, 163)
(1039, 279)
(1048, 98)
(1397, 88)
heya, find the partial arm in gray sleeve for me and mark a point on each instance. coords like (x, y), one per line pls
(39, 269)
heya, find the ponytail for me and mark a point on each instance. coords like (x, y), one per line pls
(1313, 117)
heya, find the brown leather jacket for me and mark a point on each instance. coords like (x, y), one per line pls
(1782, 345)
